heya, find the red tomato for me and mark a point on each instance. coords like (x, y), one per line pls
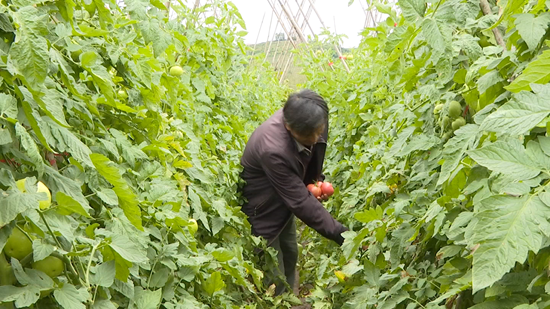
(327, 188)
(316, 191)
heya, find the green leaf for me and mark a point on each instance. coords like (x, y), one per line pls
(509, 302)
(532, 28)
(412, 9)
(352, 267)
(511, 228)
(29, 53)
(507, 157)
(5, 137)
(66, 141)
(5, 23)
(130, 152)
(52, 105)
(8, 106)
(536, 72)
(103, 304)
(436, 36)
(370, 214)
(126, 197)
(522, 113)
(153, 33)
(160, 277)
(24, 297)
(13, 203)
(127, 249)
(31, 276)
(512, 7)
(222, 255)
(104, 274)
(32, 116)
(196, 205)
(67, 205)
(145, 299)
(418, 142)
(455, 149)
(108, 196)
(41, 249)
(30, 59)
(214, 283)
(30, 146)
(71, 298)
(59, 183)
(538, 156)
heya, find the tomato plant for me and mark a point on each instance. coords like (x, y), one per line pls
(133, 119)
(440, 156)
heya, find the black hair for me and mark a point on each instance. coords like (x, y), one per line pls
(305, 112)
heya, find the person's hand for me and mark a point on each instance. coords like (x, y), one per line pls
(322, 198)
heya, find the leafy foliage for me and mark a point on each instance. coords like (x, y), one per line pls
(129, 152)
(440, 217)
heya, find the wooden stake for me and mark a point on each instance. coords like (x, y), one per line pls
(335, 46)
(293, 22)
(272, 39)
(282, 24)
(268, 32)
(306, 17)
(258, 36)
(277, 52)
(486, 9)
(281, 62)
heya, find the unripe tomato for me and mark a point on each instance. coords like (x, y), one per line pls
(340, 275)
(44, 203)
(18, 245)
(122, 94)
(458, 123)
(51, 266)
(193, 226)
(455, 109)
(176, 70)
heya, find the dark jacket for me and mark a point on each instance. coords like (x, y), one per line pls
(276, 180)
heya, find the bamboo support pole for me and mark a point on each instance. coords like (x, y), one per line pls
(281, 62)
(335, 46)
(486, 9)
(277, 52)
(258, 36)
(293, 22)
(268, 33)
(282, 24)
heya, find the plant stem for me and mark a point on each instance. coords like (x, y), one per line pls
(87, 275)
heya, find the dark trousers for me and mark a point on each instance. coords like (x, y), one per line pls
(287, 254)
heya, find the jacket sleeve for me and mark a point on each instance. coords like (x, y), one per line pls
(290, 187)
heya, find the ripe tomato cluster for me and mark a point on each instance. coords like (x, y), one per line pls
(320, 188)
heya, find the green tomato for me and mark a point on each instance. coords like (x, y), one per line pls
(484, 41)
(445, 121)
(193, 226)
(18, 245)
(438, 108)
(176, 70)
(459, 122)
(455, 109)
(51, 266)
(122, 94)
(44, 203)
